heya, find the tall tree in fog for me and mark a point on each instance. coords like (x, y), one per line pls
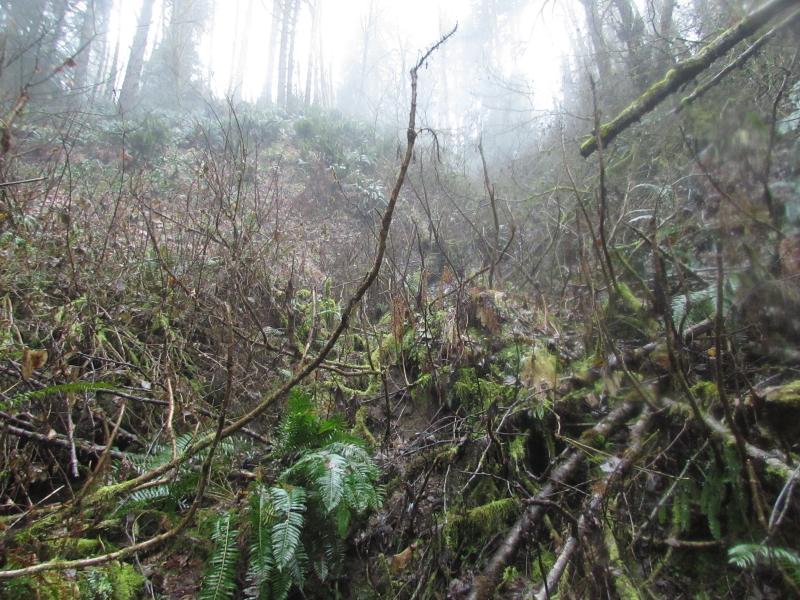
(629, 27)
(240, 46)
(290, 10)
(101, 19)
(29, 47)
(594, 24)
(315, 6)
(133, 72)
(91, 47)
(87, 33)
(109, 73)
(290, 66)
(277, 13)
(174, 66)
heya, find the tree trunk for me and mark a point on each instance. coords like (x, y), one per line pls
(320, 91)
(367, 26)
(595, 25)
(103, 17)
(133, 72)
(266, 92)
(630, 31)
(290, 60)
(88, 31)
(110, 76)
(286, 12)
(237, 23)
(684, 72)
(243, 42)
(315, 6)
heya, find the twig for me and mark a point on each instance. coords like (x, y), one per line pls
(590, 517)
(21, 181)
(721, 431)
(170, 416)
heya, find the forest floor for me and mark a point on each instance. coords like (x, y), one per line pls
(458, 441)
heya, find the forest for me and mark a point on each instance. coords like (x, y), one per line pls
(365, 299)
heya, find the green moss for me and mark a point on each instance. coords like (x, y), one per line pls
(81, 547)
(480, 522)
(547, 559)
(628, 298)
(475, 392)
(360, 428)
(390, 349)
(785, 394)
(539, 369)
(422, 386)
(371, 389)
(48, 585)
(442, 456)
(128, 582)
(622, 582)
(465, 387)
(512, 355)
(581, 368)
(516, 449)
(115, 581)
(705, 391)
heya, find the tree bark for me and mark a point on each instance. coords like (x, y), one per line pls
(88, 29)
(266, 91)
(314, 6)
(133, 72)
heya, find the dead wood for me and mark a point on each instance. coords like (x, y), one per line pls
(684, 72)
(483, 586)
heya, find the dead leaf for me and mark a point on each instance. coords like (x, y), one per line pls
(32, 360)
(400, 561)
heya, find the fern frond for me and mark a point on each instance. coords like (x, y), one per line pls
(72, 387)
(281, 584)
(331, 483)
(147, 496)
(303, 429)
(261, 562)
(342, 519)
(748, 556)
(286, 533)
(220, 579)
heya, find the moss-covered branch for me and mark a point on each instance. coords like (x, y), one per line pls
(684, 72)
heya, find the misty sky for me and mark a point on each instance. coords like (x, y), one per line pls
(539, 33)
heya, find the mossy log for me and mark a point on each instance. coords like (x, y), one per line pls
(684, 72)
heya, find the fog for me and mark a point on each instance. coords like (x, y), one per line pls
(525, 59)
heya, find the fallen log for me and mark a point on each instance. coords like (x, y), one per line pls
(684, 72)
(590, 518)
(483, 586)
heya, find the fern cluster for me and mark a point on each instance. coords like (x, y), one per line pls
(185, 481)
(721, 496)
(297, 525)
